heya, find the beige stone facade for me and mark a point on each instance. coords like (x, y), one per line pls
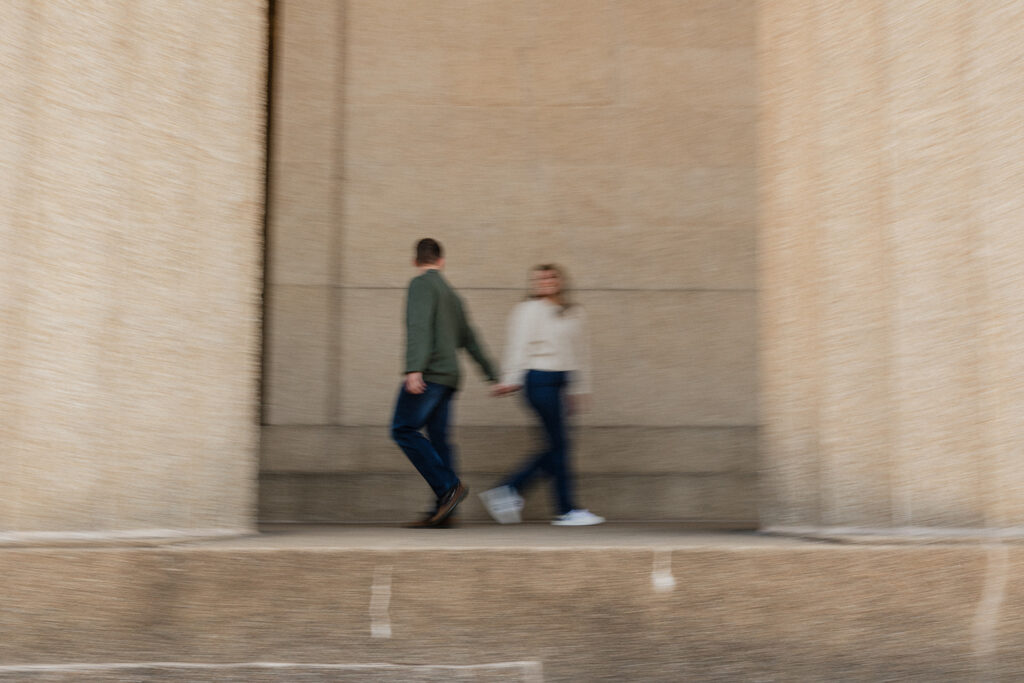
(131, 177)
(616, 138)
(885, 308)
(892, 257)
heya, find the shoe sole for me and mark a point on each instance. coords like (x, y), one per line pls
(447, 523)
(557, 523)
(511, 517)
(441, 519)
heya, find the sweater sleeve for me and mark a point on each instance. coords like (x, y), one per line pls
(476, 350)
(515, 347)
(420, 306)
(581, 351)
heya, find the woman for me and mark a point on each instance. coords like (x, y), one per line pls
(547, 354)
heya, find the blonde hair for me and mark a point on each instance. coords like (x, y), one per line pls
(562, 298)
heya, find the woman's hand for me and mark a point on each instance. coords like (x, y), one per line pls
(505, 389)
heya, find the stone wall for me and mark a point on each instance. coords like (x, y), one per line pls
(893, 316)
(614, 137)
(131, 171)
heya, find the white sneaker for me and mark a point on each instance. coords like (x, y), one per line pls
(503, 504)
(577, 518)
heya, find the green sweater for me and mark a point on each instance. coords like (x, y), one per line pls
(436, 326)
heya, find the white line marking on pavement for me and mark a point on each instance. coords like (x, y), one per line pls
(986, 618)
(661, 574)
(380, 601)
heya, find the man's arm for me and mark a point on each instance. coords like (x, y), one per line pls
(476, 350)
(419, 323)
(480, 356)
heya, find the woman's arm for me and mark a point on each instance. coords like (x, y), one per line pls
(514, 365)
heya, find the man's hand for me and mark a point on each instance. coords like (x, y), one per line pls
(505, 389)
(414, 383)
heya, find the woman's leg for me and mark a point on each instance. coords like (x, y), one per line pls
(525, 474)
(544, 392)
(558, 457)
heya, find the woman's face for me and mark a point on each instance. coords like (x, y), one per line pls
(546, 283)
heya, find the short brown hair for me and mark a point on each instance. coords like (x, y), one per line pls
(428, 251)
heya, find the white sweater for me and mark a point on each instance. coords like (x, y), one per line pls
(539, 338)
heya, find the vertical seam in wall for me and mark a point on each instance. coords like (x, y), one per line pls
(762, 505)
(979, 292)
(191, 106)
(267, 161)
(335, 241)
(774, 496)
(128, 26)
(885, 266)
(815, 268)
(755, 283)
(899, 513)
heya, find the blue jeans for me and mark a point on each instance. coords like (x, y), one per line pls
(544, 393)
(433, 458)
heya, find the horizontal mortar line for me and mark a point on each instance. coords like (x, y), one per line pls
(383, 426)
(388, 553)
(267, 525)
(125, 534)
(607, 105)
(686, 546)
(701, 474)
(117, 666)
(462, 288)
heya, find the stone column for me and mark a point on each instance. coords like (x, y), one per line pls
(131, 171)
(891, 263)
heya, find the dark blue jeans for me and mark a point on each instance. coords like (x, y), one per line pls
(433, 458)
(545, 393)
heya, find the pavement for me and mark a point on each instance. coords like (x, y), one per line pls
(469, 536)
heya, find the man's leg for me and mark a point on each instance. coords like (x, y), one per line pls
(437, 432)
(412, 413)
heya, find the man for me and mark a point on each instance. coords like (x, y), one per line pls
(436, 326)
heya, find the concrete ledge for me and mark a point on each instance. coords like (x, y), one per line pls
(603, 603)
(258, 672)
(127, 537)
(901, 535)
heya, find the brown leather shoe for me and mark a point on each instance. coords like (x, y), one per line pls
(449, 501)
(447, 523)
(422, 523)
